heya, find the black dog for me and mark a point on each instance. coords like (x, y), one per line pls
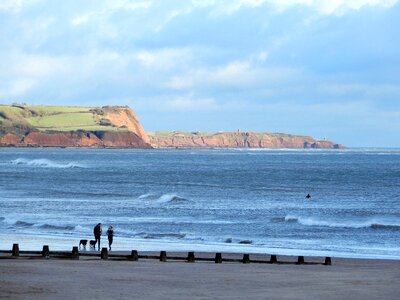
(83, 243)
(92, 244)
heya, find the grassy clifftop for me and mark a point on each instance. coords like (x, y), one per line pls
(55, 118)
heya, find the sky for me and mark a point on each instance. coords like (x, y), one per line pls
(325, 68)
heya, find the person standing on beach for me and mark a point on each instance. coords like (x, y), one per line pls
(110, 235)
(97, 234)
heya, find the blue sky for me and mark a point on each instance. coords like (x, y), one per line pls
(325, 68)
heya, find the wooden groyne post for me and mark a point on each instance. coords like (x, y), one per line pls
(328, 261)
(246, 258)
(104, 253)
(273, 259)
(15, 250)
(218, 258)
(191, 257)
(45, 251)
(75, 252)
(163, 256)
(134, 255)
(300, 260)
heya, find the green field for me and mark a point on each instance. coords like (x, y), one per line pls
(58, 118)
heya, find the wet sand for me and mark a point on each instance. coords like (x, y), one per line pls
(92, 278)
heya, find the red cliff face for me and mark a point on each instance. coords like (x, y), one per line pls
(99, 139)
(236, 140)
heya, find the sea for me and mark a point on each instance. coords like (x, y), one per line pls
(229, 200)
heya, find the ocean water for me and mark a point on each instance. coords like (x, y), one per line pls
(209, 200)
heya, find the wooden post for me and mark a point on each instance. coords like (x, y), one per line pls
(300, 260)
(218, 258)
(246, 258)
(45, 251)
(75, 252)
(328, 261)
(104, 253)
(191, 257)
(15, 250)
(134, 255)
(273, 259)
(163, 256)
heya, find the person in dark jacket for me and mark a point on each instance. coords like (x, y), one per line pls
(110, 235)
(97, 234)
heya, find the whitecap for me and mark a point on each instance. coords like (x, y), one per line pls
(374, 224)
(45, 163)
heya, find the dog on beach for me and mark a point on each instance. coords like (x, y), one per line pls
(82, 244)
(92, 244)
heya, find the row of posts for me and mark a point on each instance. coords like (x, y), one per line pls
(163, 256)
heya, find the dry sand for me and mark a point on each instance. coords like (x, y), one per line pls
(92, 278)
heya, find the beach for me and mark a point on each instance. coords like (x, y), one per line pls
(92, 278)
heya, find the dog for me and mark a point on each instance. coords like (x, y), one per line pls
(92, 244)
(82, 244)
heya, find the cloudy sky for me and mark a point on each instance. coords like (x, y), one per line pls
(326, 68)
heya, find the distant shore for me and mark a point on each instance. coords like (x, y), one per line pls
(150, 279)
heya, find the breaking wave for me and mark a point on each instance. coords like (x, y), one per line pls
(164, 235)
(45, 163)
(166, 198)
(43, 226)
(367, 224)
(58, 227)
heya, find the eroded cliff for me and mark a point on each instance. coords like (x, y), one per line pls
(178, 139)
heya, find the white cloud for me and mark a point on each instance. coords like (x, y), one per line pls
(236, 74)
(189, 104)
(16, 88)
(172, 15)
(11, 5)
(324, 7)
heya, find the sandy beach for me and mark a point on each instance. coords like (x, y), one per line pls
(92, 278)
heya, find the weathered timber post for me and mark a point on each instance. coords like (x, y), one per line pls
(104, 253)
(328, 261)
(15, 250)
(163, 256)
(134, 255)
(246, 258)
(300, 260)
(45, 251)
(273, 259)
(218, 258)
(75, 252)
(190, 257)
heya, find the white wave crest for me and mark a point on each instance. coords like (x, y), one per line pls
(165, 198)
(366, 224)
(45, 163)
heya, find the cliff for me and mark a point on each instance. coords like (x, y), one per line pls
(56, 126)
(178, 139)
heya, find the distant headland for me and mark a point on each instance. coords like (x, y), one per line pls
(118, 127)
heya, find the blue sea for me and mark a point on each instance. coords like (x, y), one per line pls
(210, 200)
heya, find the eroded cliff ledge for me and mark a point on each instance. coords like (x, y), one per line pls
(176, 139)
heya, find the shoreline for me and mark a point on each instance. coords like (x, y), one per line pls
(93, 278)
(58, 243)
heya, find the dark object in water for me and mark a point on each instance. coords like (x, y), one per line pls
(308, 196)
(246, 242)
(228, 240)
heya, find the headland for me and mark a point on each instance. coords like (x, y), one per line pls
(118, 127)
